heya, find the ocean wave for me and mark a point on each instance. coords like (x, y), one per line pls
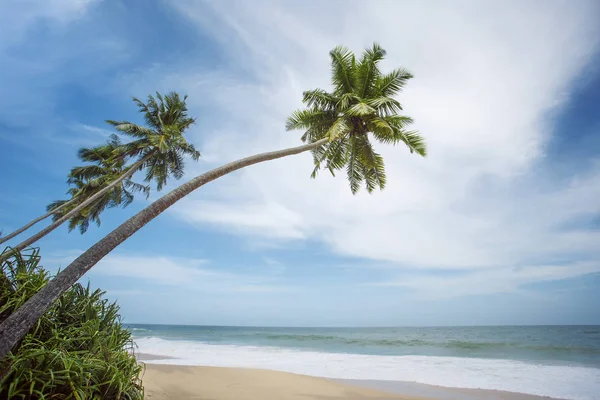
(567, 382)
(452, 344)
(320, 338)
(139, 330)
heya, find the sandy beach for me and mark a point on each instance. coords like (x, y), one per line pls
(166, 382)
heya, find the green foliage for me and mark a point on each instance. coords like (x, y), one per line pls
(362, 103)
(104, 167)
(77, 350)
(160, 142)
(162, 138)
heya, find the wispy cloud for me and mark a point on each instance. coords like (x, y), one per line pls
(78, 134)
(489, 281)
(483, 200)
(185, 272)
(18, 17)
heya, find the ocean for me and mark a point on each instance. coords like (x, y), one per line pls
(556, 361)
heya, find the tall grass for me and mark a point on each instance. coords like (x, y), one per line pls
(78, 350)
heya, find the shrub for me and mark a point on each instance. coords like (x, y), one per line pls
(78, 350)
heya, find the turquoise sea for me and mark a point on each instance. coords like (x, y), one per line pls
(557, 361)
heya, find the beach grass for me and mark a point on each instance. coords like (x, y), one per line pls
(79, 349)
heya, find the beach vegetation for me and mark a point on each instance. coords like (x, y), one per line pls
(78, 349)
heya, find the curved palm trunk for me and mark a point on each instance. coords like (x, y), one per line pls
(16, 326)
(76, 210)
(35, 221)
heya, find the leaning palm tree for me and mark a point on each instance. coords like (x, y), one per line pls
(89, 179)
(104, 168)
(161, 140)
(338, 129)
(119, 196)
(159, 149)
(360, 107)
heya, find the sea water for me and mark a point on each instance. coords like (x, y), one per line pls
(556, 361)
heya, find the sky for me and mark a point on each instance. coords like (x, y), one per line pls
(500, 224)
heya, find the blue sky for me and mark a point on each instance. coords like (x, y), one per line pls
(499, 225)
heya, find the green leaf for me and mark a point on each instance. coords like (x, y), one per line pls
(339, 129)
(368, 70)
(360, 110)
(342, 64)
(391, 84)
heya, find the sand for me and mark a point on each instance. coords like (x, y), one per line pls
(165, 382)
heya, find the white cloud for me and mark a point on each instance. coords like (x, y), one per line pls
(489, 78)
(78, 135)
(500, 280)
(184, 273)
(17, 17)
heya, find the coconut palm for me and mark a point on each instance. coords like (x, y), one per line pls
(89, 179)
(360, 107)
(159, 148)
(161, 141)
(121, 195)
(338, 128)
(99, 175)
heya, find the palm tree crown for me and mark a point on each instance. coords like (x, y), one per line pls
(361, 106)
(158, 147)
(103, 169)
(161, 141)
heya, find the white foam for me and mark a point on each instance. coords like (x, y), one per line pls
(567, 382)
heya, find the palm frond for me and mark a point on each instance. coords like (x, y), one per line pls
(385, 105)
(367, 71)
(85, 172)
(316, 122)
(391, 84)
(137, 187)
(319, 99)
(190, 150)
(382, 130)
(360, 110)
(318, 157)
(354, 169)
(130, 129)
(414, 141)
(338, 130)
(346, 100)
(373, 167)
(342, 66)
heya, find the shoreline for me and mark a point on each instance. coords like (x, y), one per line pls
(165, 381)
(555, 362)
(441, 392)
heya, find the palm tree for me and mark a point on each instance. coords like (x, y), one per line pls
(89, 179)
(161, 140)
(337, 127)
(362, 104)
(57, 208)
(159, 147)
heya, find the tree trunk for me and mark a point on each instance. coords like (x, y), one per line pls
(35, 221)
(16, 326)
(80, 207)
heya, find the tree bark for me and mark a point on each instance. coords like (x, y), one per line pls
(80, 207)
(16, 326)
(35, 221)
